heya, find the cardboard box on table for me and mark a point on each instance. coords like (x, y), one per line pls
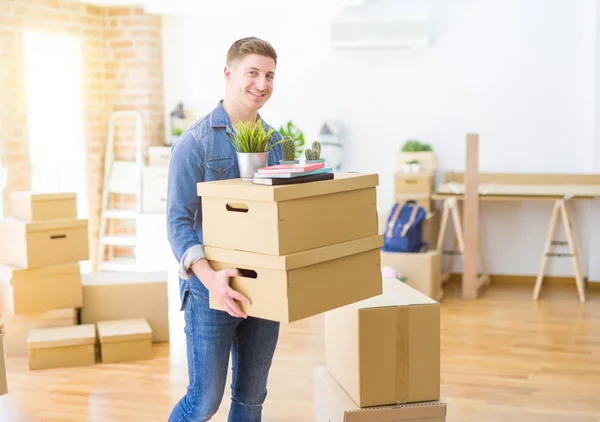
(31, 291)
(413, 182)
(126, 295)
(302, 249)
(61, 347)
(3, 383)
(124, 340)
(386, 350)
(27, 206)
(17, 327)
(39, 244)
(333, 404)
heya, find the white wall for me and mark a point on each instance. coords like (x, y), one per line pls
(521, 74)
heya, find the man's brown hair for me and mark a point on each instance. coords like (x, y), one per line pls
(250, 45)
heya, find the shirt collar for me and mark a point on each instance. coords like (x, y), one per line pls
(219, 118)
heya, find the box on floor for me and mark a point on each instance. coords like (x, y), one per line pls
(43, 243)
(17, 327)
(27, 206)
(61, 347)
(126, 295)
(3, 383)
(31, 291)
(386, 350)
(333, 404)
(124, 340)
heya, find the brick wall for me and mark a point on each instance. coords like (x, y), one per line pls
(122, 70)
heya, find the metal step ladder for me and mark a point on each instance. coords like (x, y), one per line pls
(120, 177)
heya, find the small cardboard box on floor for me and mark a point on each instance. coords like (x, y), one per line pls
(126, 295)
(386, 350)
(42, 289)
(333, 404)
(27, 206)
(302, 249)
(124, 340)
(3, 384)
(61, 347)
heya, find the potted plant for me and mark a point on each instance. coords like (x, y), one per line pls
(292, 131)
(313, 154)
(416, 157)
(251, 143)
(288, 146)
(175, 134)
(412, 166)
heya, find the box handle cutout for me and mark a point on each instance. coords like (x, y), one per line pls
(58, 236)
(236, 207)
(410, 181)
(246, 273)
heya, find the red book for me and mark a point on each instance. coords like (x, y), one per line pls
(291, 168)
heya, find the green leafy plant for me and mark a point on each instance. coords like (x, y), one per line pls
(291, 130)
(251, 138)
(314, 152)
(176, 131)
(412, 145)
(413, 162)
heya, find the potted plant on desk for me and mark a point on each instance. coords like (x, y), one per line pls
(251, 143)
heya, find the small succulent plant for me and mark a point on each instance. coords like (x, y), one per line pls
(288, 147)
(314, 153)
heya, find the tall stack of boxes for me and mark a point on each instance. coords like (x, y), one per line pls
(301, 249)
(382, 360)
(58, 317)
(417, 186)
(40, 251)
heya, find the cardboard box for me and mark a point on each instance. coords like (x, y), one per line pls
(427, 160)
(3, 383)
(31, 291)
(40, 244)
(295, 286)
(413, 182)
(27, 206)
(281, 220)
(422, 270)
(17, 327)
(61, 347)
(124, 340)
(332, 404)
(386, 350)
(126, 295)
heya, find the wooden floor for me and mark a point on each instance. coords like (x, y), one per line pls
(504, 358)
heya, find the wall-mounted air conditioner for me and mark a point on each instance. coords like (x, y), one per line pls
(368, 26)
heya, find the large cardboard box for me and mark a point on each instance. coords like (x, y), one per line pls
(17, 327)
(31, 291)
(386, 350)
(27, 206)
(125, 295)
(124, 340)
(423, 271)
(61, 347)
(295, 286)
(281, 220)
(39, 244)
(3, 383)
(332, 404)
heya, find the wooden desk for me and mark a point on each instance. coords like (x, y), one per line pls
(518, 187)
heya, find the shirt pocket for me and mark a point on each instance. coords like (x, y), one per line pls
(220, 168)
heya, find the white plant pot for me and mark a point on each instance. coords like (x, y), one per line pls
(411, 168)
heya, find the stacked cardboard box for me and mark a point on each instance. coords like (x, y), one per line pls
(423, 271)
(416, 186)
(301, 249)
(384, 355)
(40, 251)
(3, 383)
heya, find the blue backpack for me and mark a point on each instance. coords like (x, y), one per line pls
(403, 231)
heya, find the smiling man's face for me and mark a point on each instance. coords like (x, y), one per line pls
(250, 80)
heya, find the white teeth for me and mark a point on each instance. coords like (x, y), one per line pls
(256, 95)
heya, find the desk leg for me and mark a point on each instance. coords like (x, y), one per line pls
(547, 250)
(573, 250)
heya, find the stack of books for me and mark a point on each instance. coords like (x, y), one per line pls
(287, 174)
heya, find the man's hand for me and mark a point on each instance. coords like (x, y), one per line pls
(222, 292)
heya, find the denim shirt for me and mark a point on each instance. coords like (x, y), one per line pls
(202, 153)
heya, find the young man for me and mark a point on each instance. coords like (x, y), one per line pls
(204, 153)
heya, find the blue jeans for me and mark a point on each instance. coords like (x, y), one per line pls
(210, 336)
